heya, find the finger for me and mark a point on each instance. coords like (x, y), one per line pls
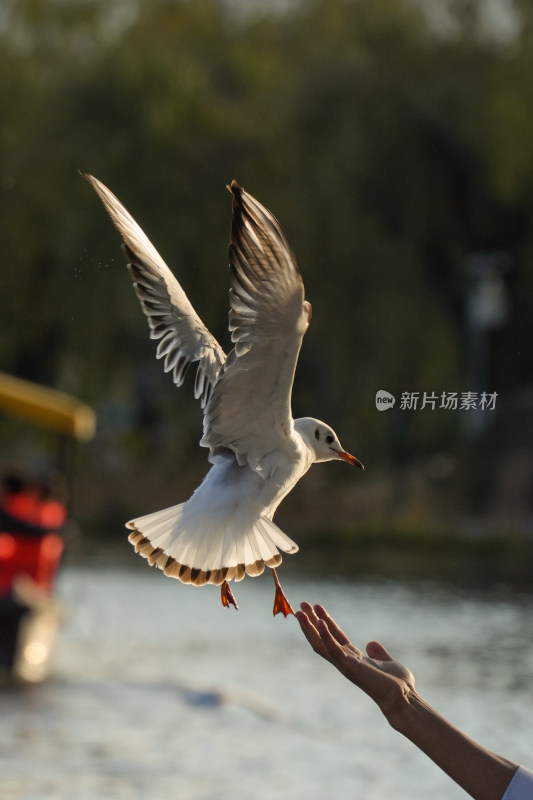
(311, 634)
(333, 649)
(309, 611)
(377, 651)
(307, 608)
(334, 629)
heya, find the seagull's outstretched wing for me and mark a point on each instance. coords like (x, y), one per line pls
(250, 409)
(183, 338)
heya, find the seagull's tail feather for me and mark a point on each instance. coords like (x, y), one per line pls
(208, 549)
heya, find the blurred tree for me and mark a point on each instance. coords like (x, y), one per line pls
(388, 148)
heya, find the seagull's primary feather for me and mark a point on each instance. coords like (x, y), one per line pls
(256, 449)
(250, 410)
(183, 338)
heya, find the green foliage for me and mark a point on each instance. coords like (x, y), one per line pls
(388, 149)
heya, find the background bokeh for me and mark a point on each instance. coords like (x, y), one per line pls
(392, 139)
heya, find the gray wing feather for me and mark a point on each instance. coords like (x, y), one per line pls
(250, 409)
(182, 337)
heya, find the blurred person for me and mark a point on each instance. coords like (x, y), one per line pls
(482, 774)
(30, 501)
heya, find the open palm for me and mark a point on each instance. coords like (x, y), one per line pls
(385, 680)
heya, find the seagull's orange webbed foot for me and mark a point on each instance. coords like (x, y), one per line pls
(281, 604)
(226, 595)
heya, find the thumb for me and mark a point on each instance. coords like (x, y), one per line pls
(377, 651)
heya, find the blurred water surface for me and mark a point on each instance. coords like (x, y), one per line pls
(159, 692)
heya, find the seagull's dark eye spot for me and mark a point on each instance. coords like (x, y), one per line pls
(329, 439)
(317, 435)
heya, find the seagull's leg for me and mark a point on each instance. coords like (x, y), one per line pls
(226, 595)
(281, 604)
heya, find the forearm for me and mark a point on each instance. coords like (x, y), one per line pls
(484, 775)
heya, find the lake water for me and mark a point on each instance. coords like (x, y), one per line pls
(158, 692)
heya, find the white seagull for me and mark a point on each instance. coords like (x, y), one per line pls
(258, 452)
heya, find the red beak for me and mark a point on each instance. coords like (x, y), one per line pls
(349, 458)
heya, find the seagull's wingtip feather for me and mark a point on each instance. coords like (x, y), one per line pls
(88, 177)
(235, 189)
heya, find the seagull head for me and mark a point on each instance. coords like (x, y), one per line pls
(323, 441)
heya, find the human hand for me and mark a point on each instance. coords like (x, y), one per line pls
(386, 681)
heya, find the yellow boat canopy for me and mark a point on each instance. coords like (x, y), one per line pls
(46, 407)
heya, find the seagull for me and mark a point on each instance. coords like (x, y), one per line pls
(257, 451)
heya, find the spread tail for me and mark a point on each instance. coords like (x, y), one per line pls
(208, 549)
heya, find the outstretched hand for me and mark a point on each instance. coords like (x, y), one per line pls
(386, 681)
(482, 774)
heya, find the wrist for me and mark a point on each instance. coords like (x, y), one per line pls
(404, 710)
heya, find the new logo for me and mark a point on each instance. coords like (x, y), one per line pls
(384, 400)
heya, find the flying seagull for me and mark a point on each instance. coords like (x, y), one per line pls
(257, 451)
